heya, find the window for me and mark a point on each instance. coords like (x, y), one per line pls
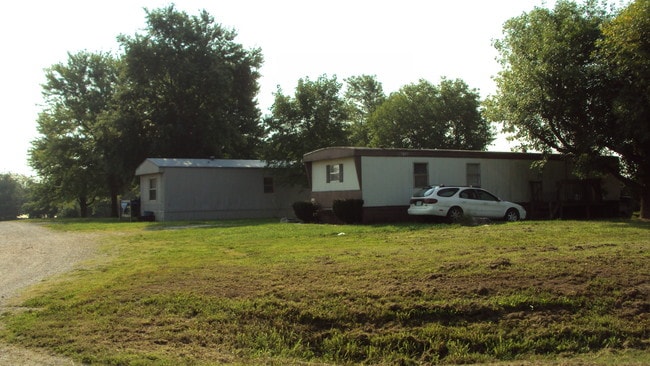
(152, 189)
(268, 184)
(335, 173)
(485, 196)
(447, 192)
(474, 175)
(420, 175)
(468, 194)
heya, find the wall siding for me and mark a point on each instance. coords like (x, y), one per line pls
(157, 206)
(218, 193)
(388, 181)
(319, 176)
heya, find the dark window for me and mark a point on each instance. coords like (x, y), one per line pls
(153, 189)
(468, 194)
(420, 175)
(474, 175)
(485, 196)
(268, 184)
(447, 192)
(335, 173)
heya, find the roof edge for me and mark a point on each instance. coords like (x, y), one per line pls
(338, 152)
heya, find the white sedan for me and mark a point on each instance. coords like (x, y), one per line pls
(456, 202)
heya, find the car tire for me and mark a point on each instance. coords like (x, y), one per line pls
(455, 214)
(512, 215)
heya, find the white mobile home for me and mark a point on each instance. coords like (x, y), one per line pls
(203, 189)
(385, 179)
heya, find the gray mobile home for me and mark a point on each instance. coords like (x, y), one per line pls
(205, 189)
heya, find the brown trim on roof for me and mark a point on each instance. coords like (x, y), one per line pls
(330, 153)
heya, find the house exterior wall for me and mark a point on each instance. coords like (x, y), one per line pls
(217, 193)
(350, 177)
(157, 206)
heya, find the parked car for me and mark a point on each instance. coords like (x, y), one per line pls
(454, 202)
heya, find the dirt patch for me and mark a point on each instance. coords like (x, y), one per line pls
(30, 253)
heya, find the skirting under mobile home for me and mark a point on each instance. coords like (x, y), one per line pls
(207, 189)
(385, 179)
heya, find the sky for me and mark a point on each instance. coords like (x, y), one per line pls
(400, 42)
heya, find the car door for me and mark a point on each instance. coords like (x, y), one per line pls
(468, 202)
(488, 204)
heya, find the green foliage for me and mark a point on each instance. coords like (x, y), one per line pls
(575, 80)
(315, 117)
(184, 88)
(350, 211)
(305, 211)
(427, 116)
(363, 94)
(71, 155)
(190, 88)
(255, 292)
(12, 195)
(624, 50)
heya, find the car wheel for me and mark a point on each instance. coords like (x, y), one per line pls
(512, 215)
(455, 214)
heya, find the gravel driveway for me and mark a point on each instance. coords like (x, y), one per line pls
(29, 254)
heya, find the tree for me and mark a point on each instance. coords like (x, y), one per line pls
(315, 117)
(69, 153)
(12, 195)
(190, 88)
(427, 116)
(624, 51)
(364, 94)
(559, 92)
(41, 201)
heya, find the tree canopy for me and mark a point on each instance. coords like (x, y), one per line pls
(69, 154)
(315, 117)
(191, 88)
(574, 80)
(427, 116)
(364, 94)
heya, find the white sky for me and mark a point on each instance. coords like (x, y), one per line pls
(398, 41)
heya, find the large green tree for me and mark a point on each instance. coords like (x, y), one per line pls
(363, 94)
(427, 116)
(69, 153)
(624, 51)
(190, 88)
(560, 91)
(315, 117)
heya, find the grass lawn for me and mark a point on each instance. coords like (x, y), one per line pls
(260, 292)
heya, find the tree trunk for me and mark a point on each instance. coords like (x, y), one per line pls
(83, 207)
(114, 205)
(644, 195)
(114, 187)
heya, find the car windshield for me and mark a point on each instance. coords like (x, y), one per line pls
(426, 191)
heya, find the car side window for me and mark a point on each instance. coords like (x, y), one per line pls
(447, 192)
(468, 194)
(486, 196)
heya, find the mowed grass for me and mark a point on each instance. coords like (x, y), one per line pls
(260, 292)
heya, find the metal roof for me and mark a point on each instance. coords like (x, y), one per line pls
(206, 163)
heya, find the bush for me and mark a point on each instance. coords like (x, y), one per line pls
(349, 211)
(306, 211)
